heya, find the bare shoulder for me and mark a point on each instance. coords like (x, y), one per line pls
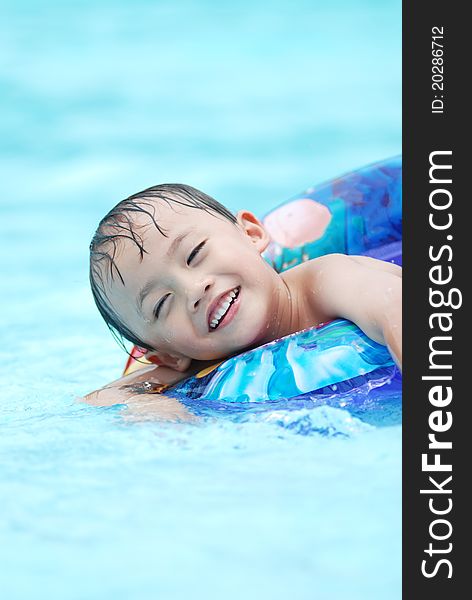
(338, 285)
(312, 284)
(308, 276)
(381, 265)
(363, 290)
(332, 265)
(321, 268)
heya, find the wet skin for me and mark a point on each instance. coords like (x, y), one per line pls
(170, 297)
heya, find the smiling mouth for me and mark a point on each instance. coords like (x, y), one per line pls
(224, 304)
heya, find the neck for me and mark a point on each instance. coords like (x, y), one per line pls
(289, 313)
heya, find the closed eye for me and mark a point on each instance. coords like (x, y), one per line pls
(159, 305)
(195, 251)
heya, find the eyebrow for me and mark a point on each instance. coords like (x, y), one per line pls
(147, 287)
(176, 242)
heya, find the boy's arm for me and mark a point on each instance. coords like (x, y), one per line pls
(132, 390)
(363, 290)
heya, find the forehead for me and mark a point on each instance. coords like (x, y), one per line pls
(162, 223)
(170, 216)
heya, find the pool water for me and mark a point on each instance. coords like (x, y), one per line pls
(251, 102)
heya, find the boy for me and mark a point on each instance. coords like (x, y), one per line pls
(177, 274)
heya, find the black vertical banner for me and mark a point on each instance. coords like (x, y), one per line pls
(437, 335)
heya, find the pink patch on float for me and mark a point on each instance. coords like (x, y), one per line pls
(297, 222)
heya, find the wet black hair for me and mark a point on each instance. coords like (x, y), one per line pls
(119, 225)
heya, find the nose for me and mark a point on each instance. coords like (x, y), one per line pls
(196, 292)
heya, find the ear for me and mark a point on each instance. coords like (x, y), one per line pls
(177, 363)
(254, 229)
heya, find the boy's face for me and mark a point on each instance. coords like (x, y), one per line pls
(204, 292)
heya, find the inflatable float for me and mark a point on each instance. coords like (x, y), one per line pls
(334, 364)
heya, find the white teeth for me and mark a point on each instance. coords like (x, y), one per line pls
(222, 309)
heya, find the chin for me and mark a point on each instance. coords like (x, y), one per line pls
(256, 335)
(245, 332)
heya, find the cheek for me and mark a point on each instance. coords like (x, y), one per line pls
(259, 276)
(178, 334)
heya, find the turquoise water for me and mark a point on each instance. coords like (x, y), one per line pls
(252, 102)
